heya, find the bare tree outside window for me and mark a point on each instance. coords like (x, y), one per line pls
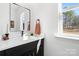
(71, 19)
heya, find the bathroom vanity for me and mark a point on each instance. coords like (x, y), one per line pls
(16, 46)
(19, 44)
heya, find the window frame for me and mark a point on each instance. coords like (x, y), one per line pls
(60, 32)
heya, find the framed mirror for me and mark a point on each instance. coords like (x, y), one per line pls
(19, 18)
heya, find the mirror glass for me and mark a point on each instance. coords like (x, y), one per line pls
(19, 18)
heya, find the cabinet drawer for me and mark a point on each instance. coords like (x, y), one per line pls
(19, 50)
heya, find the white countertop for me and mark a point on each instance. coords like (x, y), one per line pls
(15, 39)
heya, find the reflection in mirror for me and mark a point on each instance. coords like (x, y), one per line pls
(19, 18)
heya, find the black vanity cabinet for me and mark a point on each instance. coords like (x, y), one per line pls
(28, 49)
(2, 53)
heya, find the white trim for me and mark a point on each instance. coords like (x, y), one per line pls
(67, 36)
(60, 21)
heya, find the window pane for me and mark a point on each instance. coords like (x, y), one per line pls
(66, 5)
(71, 18)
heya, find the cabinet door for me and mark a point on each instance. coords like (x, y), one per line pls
(2, 53)
(20, 50)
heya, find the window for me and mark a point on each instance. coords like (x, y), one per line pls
(70, 13)
(68, 20)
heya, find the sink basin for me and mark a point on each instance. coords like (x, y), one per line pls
(26, 37)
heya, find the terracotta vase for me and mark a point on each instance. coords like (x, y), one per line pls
(37, 27)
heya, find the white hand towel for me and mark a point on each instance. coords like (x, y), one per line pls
(38, 45)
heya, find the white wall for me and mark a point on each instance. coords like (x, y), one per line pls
(4, 17)
(48, 15)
